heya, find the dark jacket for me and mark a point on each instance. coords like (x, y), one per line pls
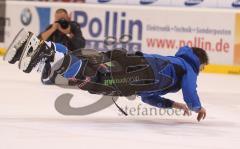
(189, 63)
(76, 42)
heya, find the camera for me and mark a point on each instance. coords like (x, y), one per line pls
(63, 23)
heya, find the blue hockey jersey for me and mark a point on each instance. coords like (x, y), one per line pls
(189, 62)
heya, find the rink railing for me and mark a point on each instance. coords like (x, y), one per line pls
(232, 4)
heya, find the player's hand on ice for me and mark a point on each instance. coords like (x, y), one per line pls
(181, 106)
(201, 114)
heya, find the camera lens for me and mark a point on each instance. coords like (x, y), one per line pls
(63, 23)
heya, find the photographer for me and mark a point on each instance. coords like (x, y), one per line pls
(64, 31)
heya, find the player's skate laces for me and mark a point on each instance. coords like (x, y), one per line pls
(35, 54)
(15, 49)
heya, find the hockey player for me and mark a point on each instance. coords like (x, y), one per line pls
(147, 75)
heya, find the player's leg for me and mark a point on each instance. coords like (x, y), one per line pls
(66, 69)
(78, 65)
(48, 76)
(83, 69)
(56, 58)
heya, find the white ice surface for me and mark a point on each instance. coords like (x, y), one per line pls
(28, 119)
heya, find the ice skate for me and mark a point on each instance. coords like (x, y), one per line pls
(15, 49)
(34, 52)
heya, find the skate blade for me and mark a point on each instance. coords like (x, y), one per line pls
(17, 42)
(30, 48)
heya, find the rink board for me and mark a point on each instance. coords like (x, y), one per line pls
(161, 34)
(223, 69)
(2, 51)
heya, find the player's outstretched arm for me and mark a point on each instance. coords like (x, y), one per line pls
(201, 113)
